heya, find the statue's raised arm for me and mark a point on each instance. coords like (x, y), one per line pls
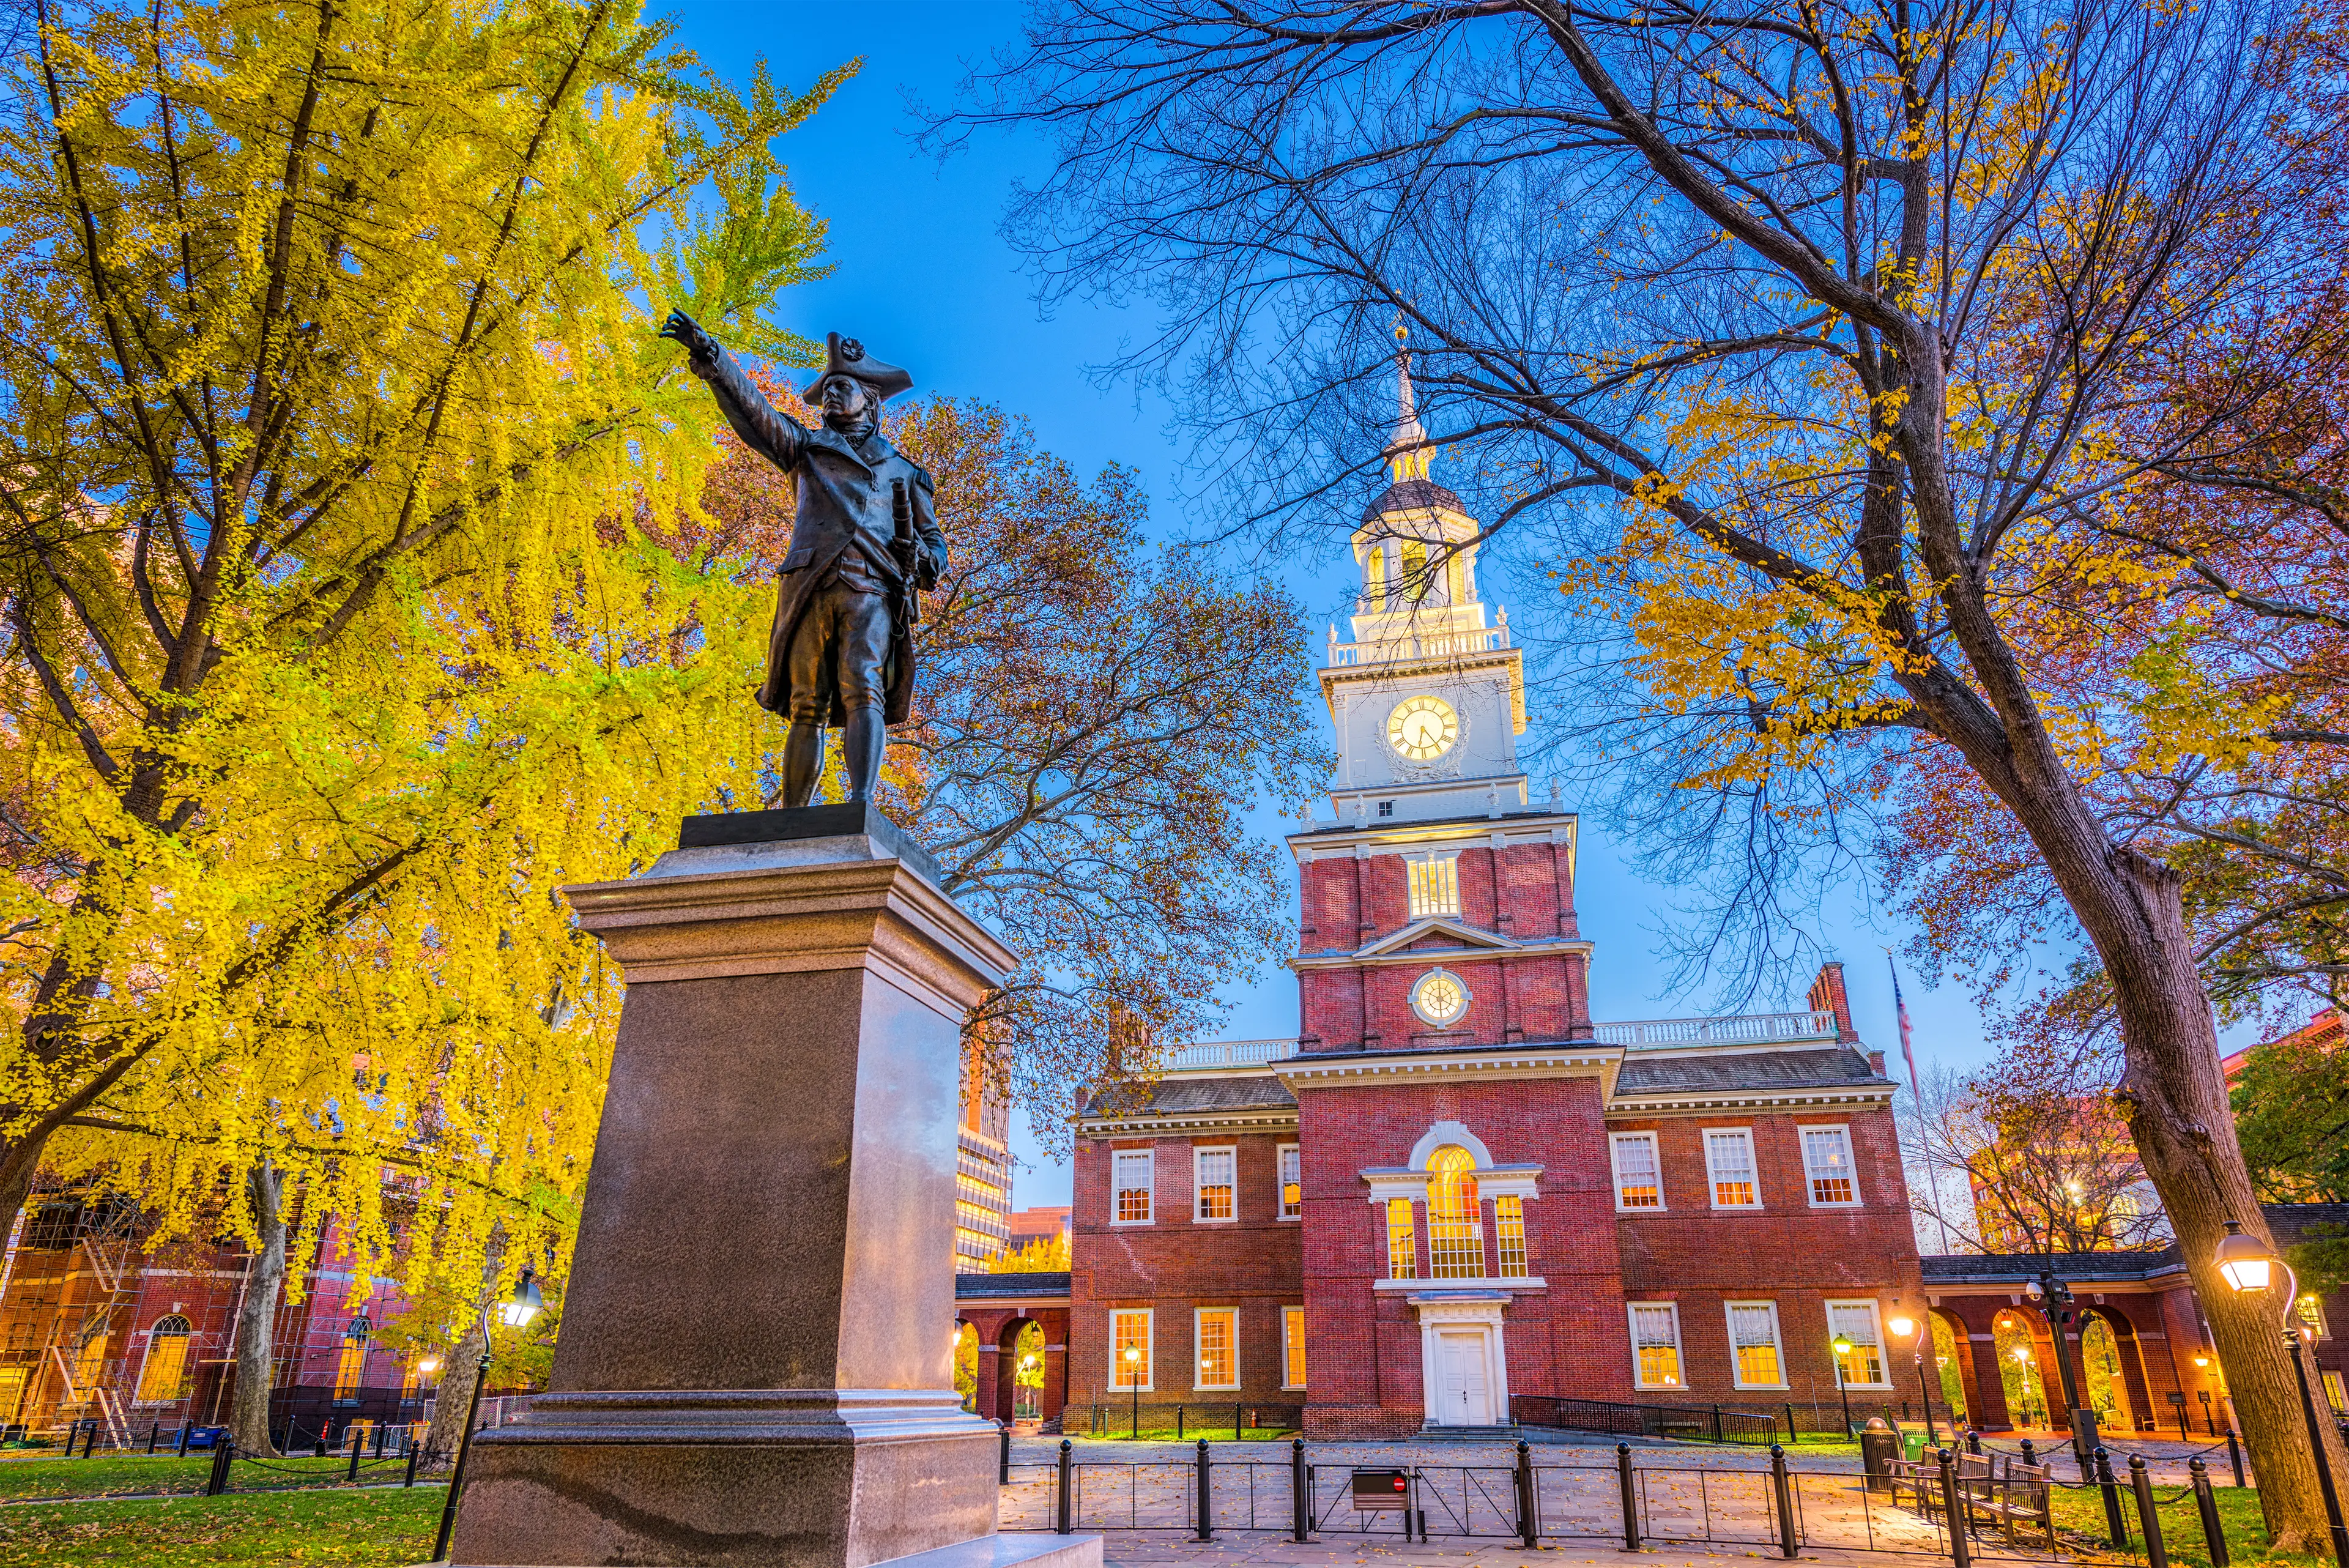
(842, 649)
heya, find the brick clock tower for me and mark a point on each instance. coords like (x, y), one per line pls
(1450, 1200)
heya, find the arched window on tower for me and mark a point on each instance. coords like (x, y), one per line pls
(1374, 572)
(163, 1375)
(1455, 1228)
(1455, 578)
(1415, 570)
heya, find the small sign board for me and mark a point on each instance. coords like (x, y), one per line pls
(2177, 1398)
(1378, 1491)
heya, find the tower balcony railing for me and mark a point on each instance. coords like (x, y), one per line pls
(1750, 1029)
(1226, 1054)
(1436, 645)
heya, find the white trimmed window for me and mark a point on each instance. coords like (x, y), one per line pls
(1638, 1181)
(1292, 1348)
(1128, 1184)
(1292, 1182)
(1509, 1227)
(1402, 1241)
(1756, 1360)
(1827, 1161)
(1855, 1320)
(1216, 1332)
(1656, 1346)
(1129, 1349)
(1212, 1182)
(1729, 1165)
(1435, 886)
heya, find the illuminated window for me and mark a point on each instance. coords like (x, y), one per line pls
(1440, 999)
(1292, 1348)
(12, 1393)
(1509, 1224)
(2335, 1394)
(1435, 886)
(1292, 1182)
(1855, 1321)
(411, 1373)
(1455, 577)
(1656, 1345)
(1729, 1161)
(1415, 570)
(1374, 571)
(1219, 1362)
(1403, 1244)
(164, 1373)
(351, 1366)
(1129, 1349)
(1827, 1159)
(2312, 1316)
(1636, 1185)
(1130, 1186)
(89, 1366)
(1455, 1227)
(1753, 1344)
(1210, 1180)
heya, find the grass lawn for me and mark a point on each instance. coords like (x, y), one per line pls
(2080, 1513)
(114, 1474)
(332, 1529)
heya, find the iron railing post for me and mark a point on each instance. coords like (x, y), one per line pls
(223, 1455)
(185, 1428)
(1528, 1509)
(2214, 1534)
(1003, 1458)
(358, 1448)
(154, 1434)
(1061, 1501)
(414, 1447)
(1205, 1487)
(1300, 1490)
(1783, 1487)
(2235, 1455)
(2116, 1522)
(1631, 1498)
(2148, 1521)
(1961, 1522)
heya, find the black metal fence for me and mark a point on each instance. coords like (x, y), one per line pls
(1758, 1425)
(2000, 1510)
(1235, 1422)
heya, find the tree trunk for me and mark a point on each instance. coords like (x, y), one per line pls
(257, 1316)
(462, 1368)
(2176, 1098)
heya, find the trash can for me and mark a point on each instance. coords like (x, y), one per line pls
(1912, 1443)
(1879, 1450)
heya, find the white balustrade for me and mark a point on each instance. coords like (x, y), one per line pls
(1226, 1054)
(1750, 1029)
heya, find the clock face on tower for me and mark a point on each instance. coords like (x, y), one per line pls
(1422, 729)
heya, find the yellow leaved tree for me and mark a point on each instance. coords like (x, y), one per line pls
(332, 408)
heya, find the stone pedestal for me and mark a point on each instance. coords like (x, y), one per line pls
(756, 1359)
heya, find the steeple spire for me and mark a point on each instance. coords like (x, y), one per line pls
(1406, 452)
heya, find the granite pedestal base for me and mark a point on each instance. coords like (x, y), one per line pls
(755, 1364)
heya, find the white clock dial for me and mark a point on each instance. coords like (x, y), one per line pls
(1422, 729)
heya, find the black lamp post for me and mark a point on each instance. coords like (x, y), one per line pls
(1904, 1327)
(2054, 1299)
(525, 1304)
(2246, 1264)
(1134, 1381)
(1842, 1349)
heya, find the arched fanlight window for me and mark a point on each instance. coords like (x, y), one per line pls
(164, 1374)
(1455, 1230)
(350, 1368)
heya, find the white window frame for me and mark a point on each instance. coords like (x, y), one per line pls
(1149, 1188)
(1293, 1315)
(1713, 1177)
(1680, 1342)
(1615, 1142)
(1149, 1317)
(1199, 1317)
(1803, 1131)
(1197, 1186)
(1778, 1343)
(1875, 1317)
(1282, 1158)
(1426, 868)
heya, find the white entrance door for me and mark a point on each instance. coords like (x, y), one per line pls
(1466, 1398)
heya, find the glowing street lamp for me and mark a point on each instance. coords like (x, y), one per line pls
(1134, 1381)
(1842, 1349)
(516, 1312)
(1902, 1327)
(2248, 1266)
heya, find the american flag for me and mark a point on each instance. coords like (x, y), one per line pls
(1901, 1010)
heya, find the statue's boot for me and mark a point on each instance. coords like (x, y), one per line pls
(802, 759)
(860, 750)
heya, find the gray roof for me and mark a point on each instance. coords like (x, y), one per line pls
(980, 1287)
(1190, 1097)
(2290, 1223)
(1410, 494)
(1818, 1067)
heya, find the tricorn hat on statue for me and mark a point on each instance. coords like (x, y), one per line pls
(846, 357)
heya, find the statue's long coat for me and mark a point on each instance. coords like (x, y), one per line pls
(844, 503)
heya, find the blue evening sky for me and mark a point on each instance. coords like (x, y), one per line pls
(925, 281)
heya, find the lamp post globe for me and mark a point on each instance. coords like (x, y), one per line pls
(2249, 1266)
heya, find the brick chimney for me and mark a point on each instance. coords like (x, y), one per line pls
(1827, 995)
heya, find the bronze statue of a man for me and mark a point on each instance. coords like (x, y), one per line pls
(865, 543)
